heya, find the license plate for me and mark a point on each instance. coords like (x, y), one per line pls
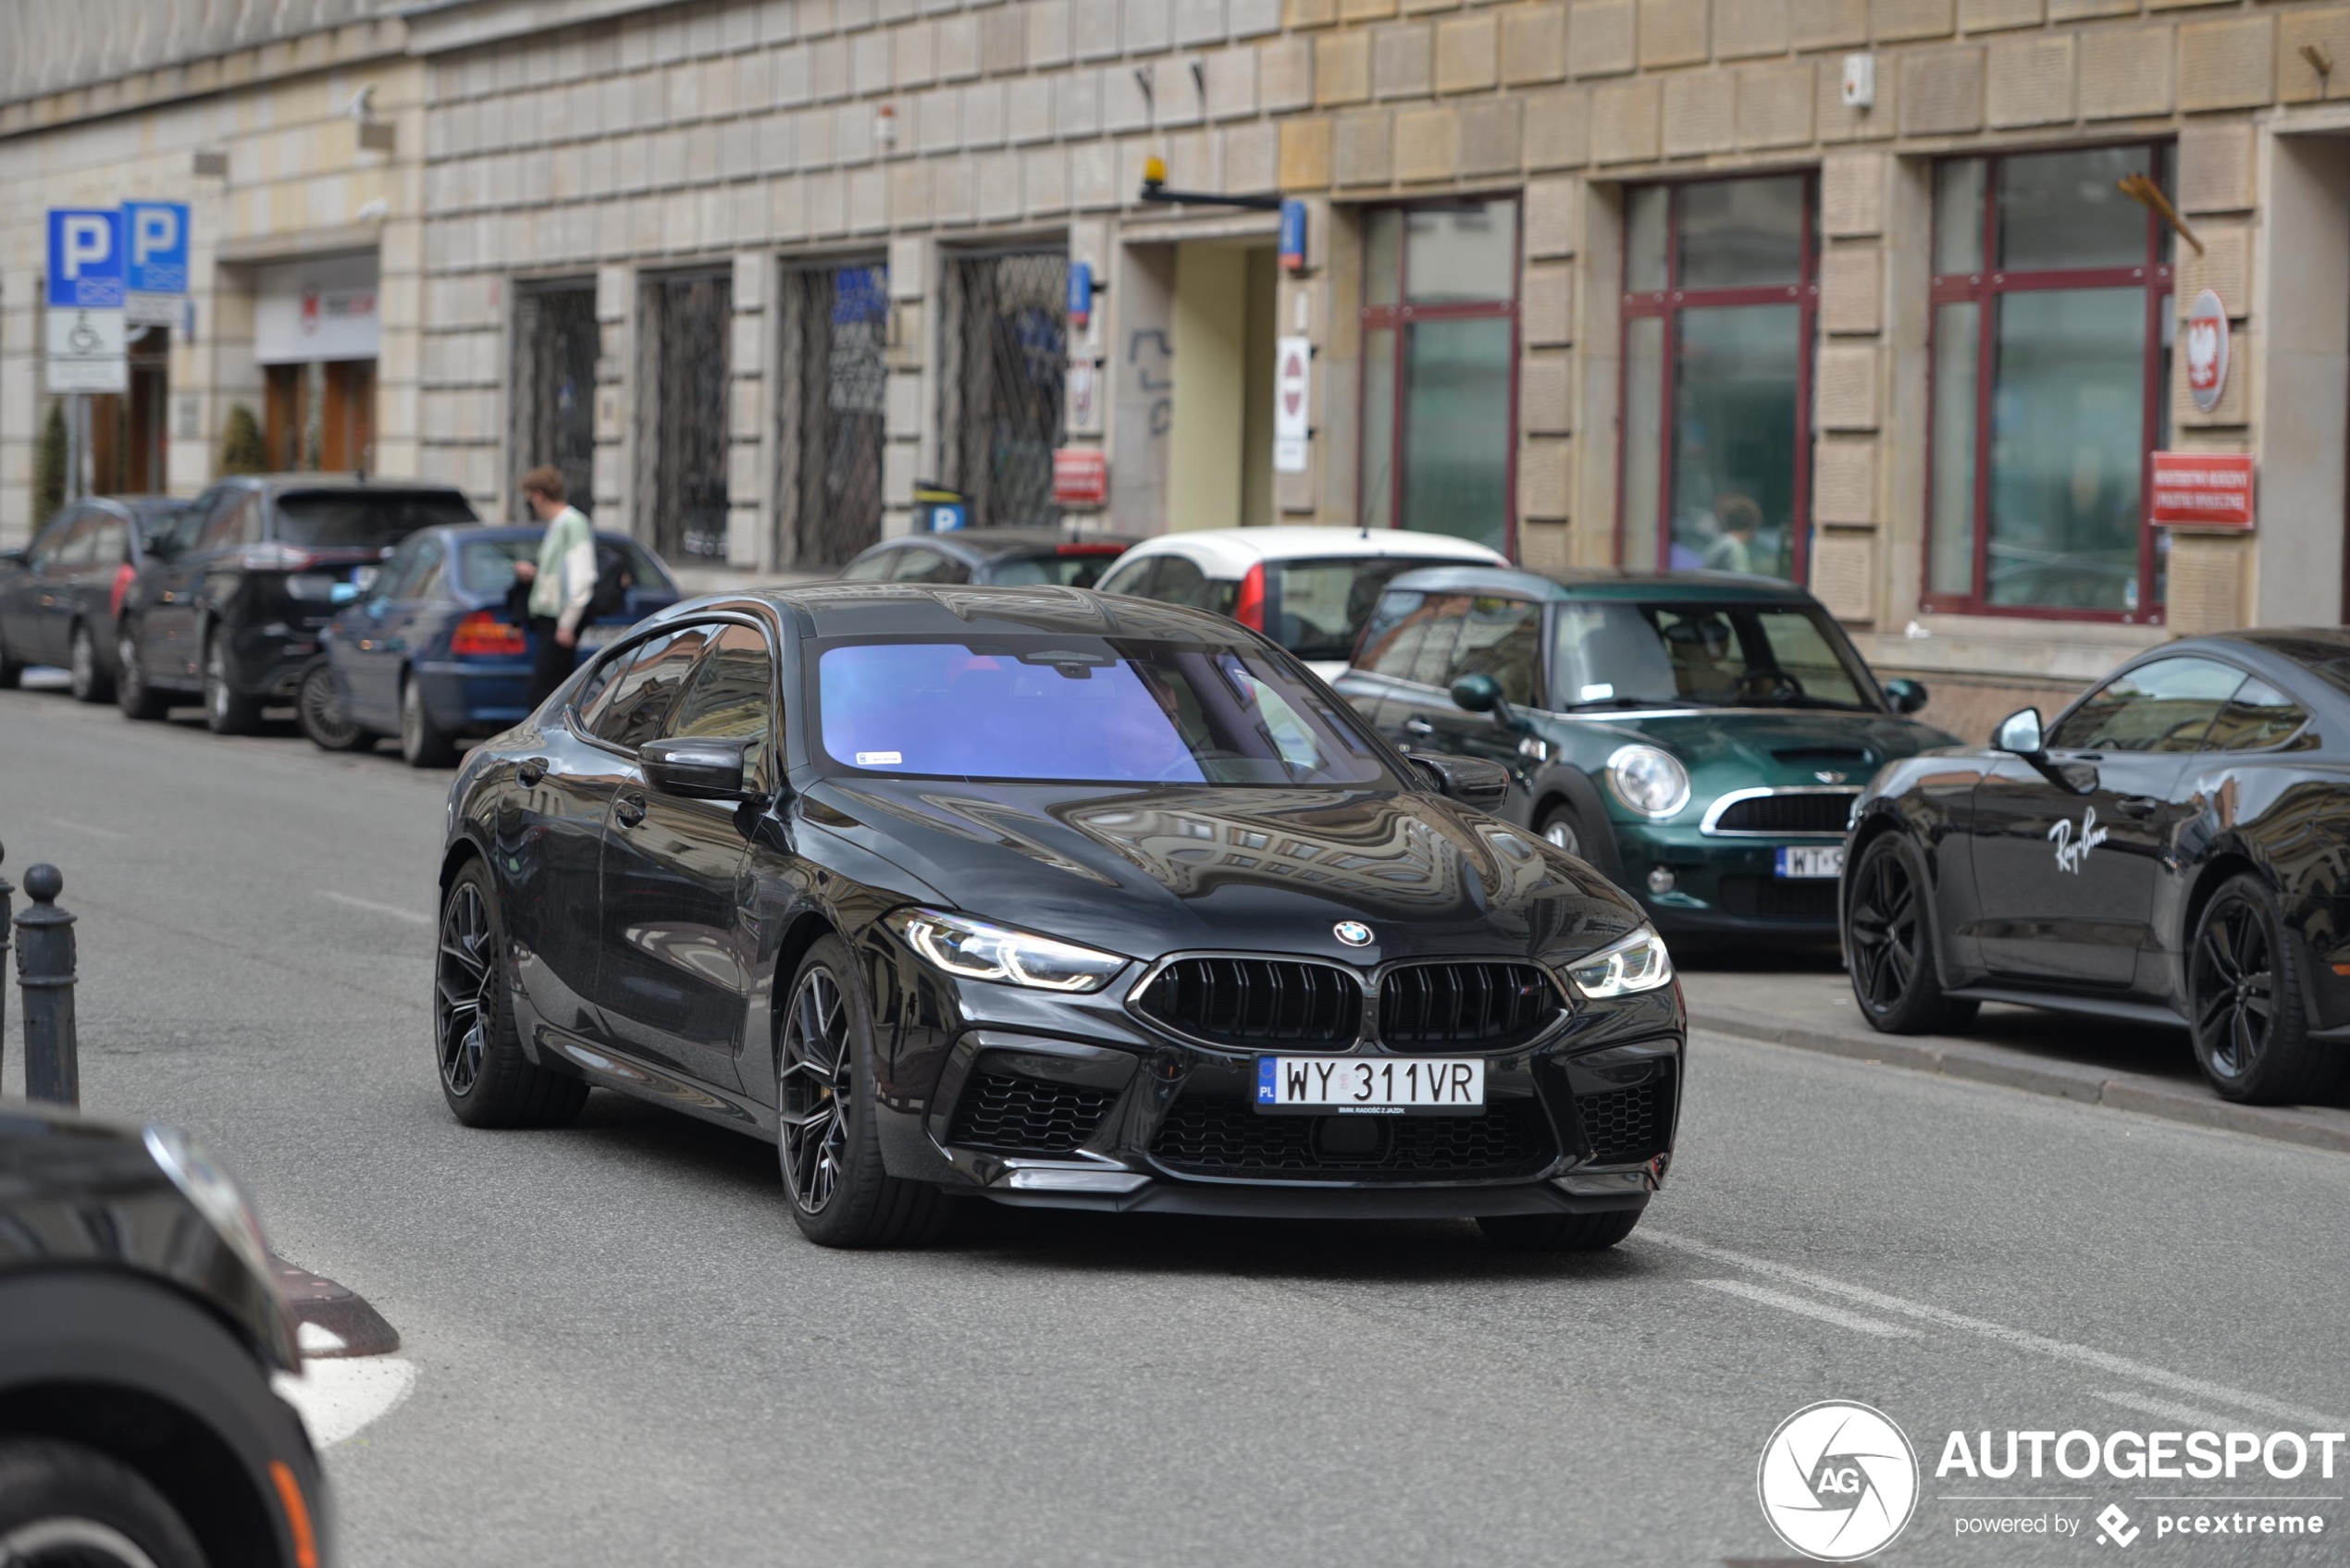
(1365, 1086)
(1809, 861)
(596, 637)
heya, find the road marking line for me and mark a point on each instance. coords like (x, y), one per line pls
(72, 826)
(338, 1399)
(394, 910)
(1786, 1302)
(2083, 1356)
(2186, 1415)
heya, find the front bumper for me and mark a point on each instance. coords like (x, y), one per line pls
(1726, 886)
(1079, 1103)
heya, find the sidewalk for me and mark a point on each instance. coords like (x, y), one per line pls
(1804, 1000)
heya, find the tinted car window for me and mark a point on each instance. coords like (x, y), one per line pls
(487, 567)
(916, 564)
(1629, 655)
(400, 570)
(1318, 607)
(1072, 570)
(729, 696)
(1179, 580)
(1501, 638)
(233, 520)
(1129, 577)
(1391, 641)
(2256, 717)
(2164, 706)
(109, 541)
(361, 519)
(65, 542)
(1069, 706)
(869, 568)
(633, 708)
(1443, 614)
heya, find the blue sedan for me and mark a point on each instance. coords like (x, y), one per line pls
(433, 648)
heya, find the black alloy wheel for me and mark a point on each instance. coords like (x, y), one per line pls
(318, 712)
(2244, 1000)
(825, 1138)
(63, 1505)
(421, 744)
(132, 693)
(1888, 944)
(483, 1075)
(88, 679)
(226, 711)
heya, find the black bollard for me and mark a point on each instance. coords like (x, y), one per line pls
(44, 972)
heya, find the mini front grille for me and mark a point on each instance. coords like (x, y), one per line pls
(1797, 900)
(1255, 1002)
(1458, 1006)
(1024, 1116)
(1626, 1126)
(1827, 811)
(1211, 1136)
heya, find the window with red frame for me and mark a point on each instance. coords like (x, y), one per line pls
(1721, 300)
(2052, 350)
(1440, 370)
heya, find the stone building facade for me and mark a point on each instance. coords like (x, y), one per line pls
(1603, 281)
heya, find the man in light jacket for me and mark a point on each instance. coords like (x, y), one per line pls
(562, 581)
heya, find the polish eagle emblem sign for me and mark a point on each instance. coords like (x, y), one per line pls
(2206, 350)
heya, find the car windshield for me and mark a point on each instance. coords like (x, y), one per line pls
(1316, 609)
(1078, 568)
(487, 567)
(1614, 654)
(1082, 708)
(363, 519)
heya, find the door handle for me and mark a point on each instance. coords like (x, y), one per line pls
(1418, 727)
(2137, 804)
(530, 769)
(630, 810)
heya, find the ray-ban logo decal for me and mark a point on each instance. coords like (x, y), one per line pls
(2070, 852)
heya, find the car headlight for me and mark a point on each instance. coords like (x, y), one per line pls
(1651, 781)
(1627, 968)
(215, 1194)
(975, 950)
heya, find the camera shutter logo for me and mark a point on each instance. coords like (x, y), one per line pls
(1837, 1481)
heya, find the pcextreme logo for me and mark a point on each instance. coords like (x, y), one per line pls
(1838, 1480)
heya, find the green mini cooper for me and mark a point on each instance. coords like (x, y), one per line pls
(1699, 736)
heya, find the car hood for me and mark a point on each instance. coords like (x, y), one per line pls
(1727, 747)
(1151, 870)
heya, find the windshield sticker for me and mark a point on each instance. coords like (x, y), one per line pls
(2070, 854)
(1599, 691)
(880, 759)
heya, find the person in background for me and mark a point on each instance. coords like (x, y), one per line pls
(562, 580)
(1733, 549)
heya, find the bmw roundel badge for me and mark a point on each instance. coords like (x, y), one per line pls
(1354, 933)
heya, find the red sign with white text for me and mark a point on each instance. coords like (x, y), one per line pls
(2209, 489)
(1081, 476)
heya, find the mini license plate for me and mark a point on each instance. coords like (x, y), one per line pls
(596, 637)
(1811, 860)
(1364, 1086)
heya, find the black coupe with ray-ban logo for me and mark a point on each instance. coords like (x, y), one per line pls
(2174, 845)
(1051, 898)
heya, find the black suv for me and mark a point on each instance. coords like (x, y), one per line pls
(256, 568)
(139, 1326)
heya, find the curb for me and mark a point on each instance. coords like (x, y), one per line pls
(2303, 1125)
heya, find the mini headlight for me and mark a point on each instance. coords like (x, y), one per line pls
(975, 950)
(1651, 781)
(1636, 963)
(215, 1194)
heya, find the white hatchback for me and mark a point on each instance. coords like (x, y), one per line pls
(1308, 587)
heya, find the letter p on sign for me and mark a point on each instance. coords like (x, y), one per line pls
(85, 258)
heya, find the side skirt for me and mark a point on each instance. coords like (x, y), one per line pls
(608, 1068)
(2060, 1002)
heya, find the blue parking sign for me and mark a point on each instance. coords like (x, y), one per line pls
(85, 258)
(156, 238)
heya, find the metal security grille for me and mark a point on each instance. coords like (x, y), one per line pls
(831, 392)
(554, 413)
(681, 366)
(1004, 357)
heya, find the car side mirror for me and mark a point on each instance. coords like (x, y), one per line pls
(1482, 693)
(696, 769)
(2020, 733)
(1906, 695)
(1471, 781)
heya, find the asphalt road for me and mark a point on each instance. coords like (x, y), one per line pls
(628, 1356)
